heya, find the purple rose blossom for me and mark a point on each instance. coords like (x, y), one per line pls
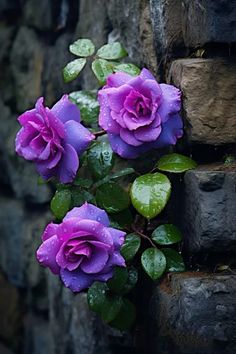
(53, 139)
(139, 114)
(83, 248)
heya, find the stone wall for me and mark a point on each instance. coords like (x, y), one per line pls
(188, 43)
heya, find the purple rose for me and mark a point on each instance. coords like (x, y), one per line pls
(139, 114)
(53, 139)
(83, 248)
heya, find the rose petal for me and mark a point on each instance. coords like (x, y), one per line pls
(121, 148)
(117, 96)
(146, 75)
(96, 263)
(46, 254)
(66, 110)
(129, 137)
(146, 134)
(118, 237)
(105, 119)
(171, 102)
(171, 131)
(69, 165)
(89, 211)
(76, 280)
(77, 136)
(50, 230)
(118, 79)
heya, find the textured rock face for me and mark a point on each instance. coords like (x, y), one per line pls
(209, 89)
(207, 21)
(20, 236)
(210, 210)
(195, 314)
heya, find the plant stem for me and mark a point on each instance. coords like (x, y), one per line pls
(99, 133)
(145, 236)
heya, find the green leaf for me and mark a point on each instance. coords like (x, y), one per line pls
(72, 69)
(80, 196)
(119, 279)
(150, 194)
(96, 296)
(175, 163)
(112, 51)
(82, 47)
(153, 262)
(123, 218)
(111, 197)
(100, 159)
(60, 203)
(131, 281)
(130, 246)
(130, 69)
(83, 182)
(126, 317)
(102, 69)
(166, 234)
(174, 260)
(88, 105)
(119, 174)
(111, 307)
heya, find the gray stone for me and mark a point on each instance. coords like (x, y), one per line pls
(40, 19)
(209, 21)
(57, 57)
(209, 88)
(76, 329)
(5, 40)
(195, 313)
(20, 236)
(38, 338)
(209, 215)
(167, 27)
(27, 67)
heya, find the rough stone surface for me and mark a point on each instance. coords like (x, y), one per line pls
(76, 329)
(209, 210)
(10, 319)
(195, 313)
(27, 67)
(167, 27)
(209, 88)
(20, 236)
(209, 21)
(40, 19)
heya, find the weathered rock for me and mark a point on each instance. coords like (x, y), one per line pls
(209, 88)
(27, 67)
(38, 338)
(5, 38)
(20, 233)
(10, 313)
(195, 313)
(131, 22)
(76, 329)
(40, 19)
(57, 57)
(209, 215)
(206, 21)
(167, 27)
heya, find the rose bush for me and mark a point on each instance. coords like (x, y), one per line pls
(53, 139)
(83, 248)
(139, 114)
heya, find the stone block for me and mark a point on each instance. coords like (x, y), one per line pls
(166, 17)
(194, 313)
(20, 235)
(27, 66)
(208, 21)
(209, 88)
(209, 215)
(75, 329)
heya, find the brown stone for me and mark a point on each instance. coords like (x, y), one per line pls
(209, 89)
